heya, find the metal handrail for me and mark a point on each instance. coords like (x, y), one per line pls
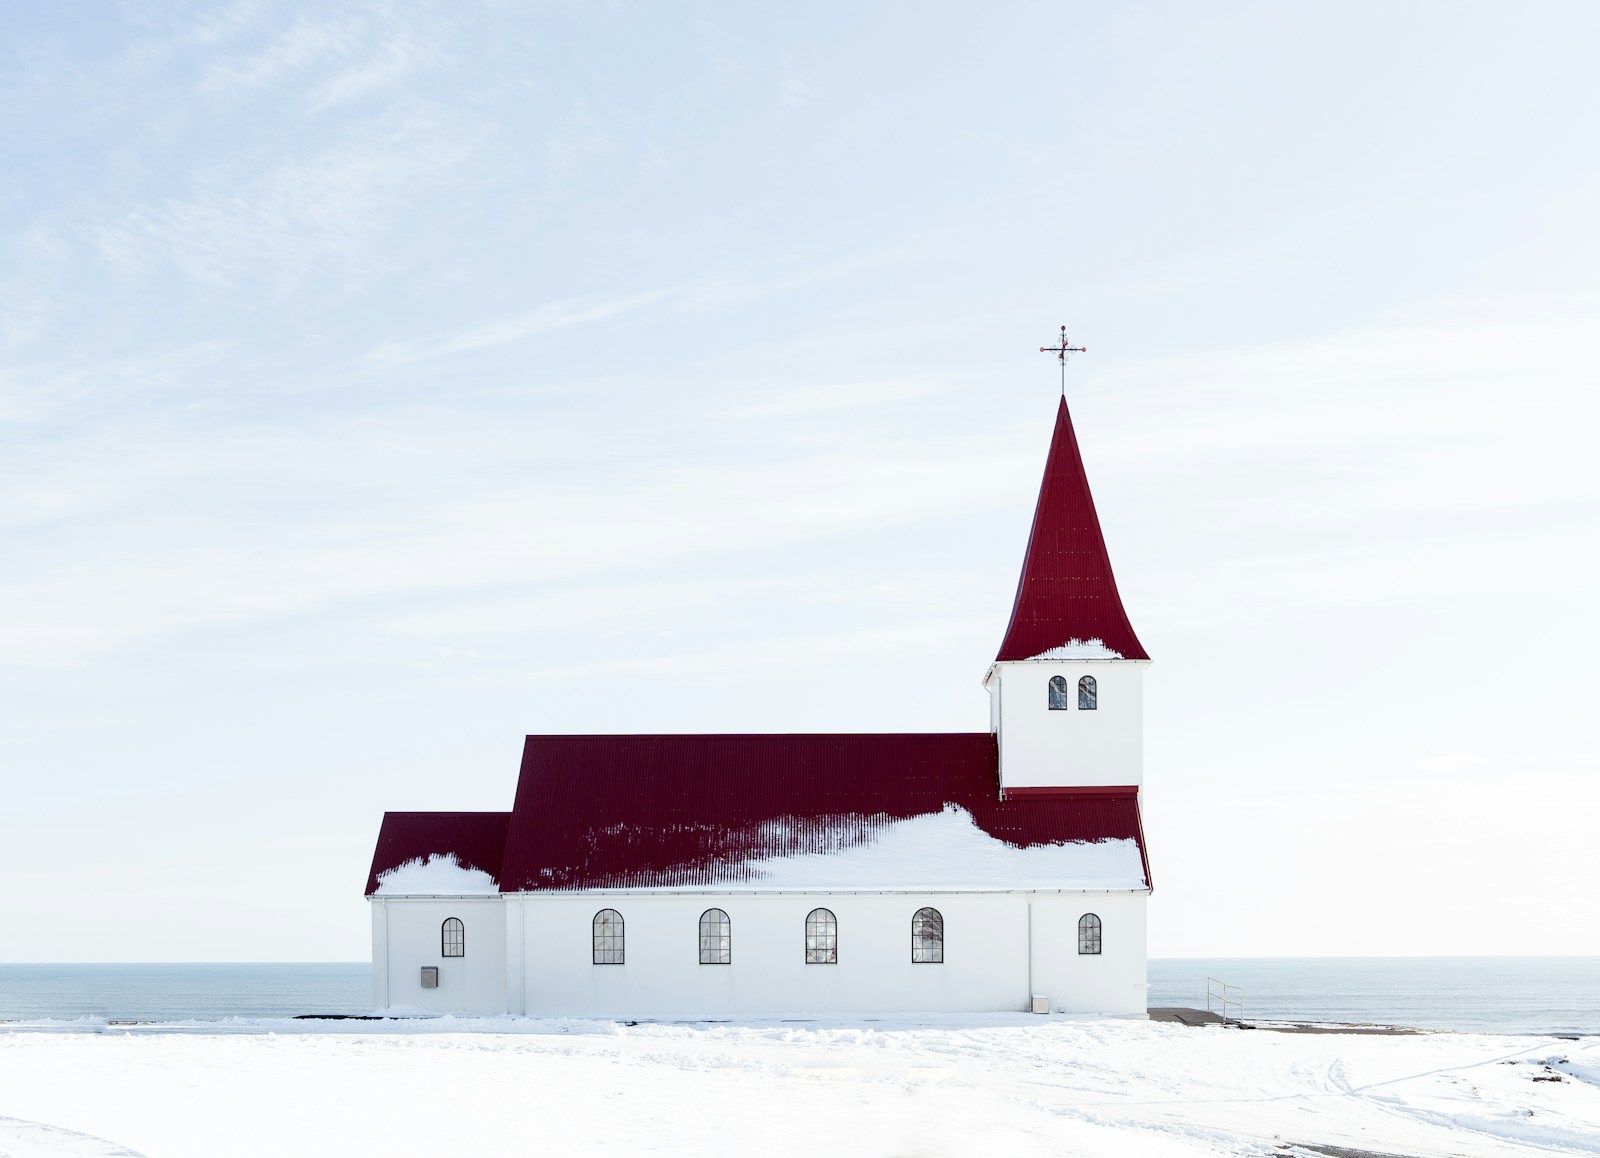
(1220, 999)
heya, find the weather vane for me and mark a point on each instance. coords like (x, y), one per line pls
(1061, 353)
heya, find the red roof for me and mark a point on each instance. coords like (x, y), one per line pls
(642, 811)
(478, 840)
(1066, 591)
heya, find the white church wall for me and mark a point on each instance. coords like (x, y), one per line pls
(1112, 981)
(380, 954)
(516, 959)
(410, 932)
(1041, 748)
(985, 965)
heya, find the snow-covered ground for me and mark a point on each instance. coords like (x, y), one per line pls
(977, 1085)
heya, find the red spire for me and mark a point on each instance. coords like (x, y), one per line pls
(1067, 591)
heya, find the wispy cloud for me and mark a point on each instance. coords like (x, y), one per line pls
(585, 607)
(101, 588)
(514, 328)
(214, 151)
(303, 44)
(392, 62)
(46, 394)
(278, 222)
(908, 640)
(834, 396)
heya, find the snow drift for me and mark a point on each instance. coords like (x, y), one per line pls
(437, 875)
(947, 851)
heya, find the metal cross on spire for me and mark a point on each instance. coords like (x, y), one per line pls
(1061, 353)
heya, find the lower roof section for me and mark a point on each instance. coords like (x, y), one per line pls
(432, 844)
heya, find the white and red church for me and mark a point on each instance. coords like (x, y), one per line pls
(700, 875)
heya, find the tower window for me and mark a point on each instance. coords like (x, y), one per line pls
(453, 938)
(716, 938)
(608, 937)
(1088, 694)
(927, 937)
(1058, 693)
(1089, 935)
(822, 938)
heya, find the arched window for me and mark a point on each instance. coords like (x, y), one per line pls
(927, 937)
(822, 938)
(453, 938)
(1088, 694)
(1089, 935)
(716, 938)
(1058, 693)
(608, 937)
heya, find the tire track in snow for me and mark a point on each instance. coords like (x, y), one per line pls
(1337, 1087)
(20, 1138)
(1493, 1125)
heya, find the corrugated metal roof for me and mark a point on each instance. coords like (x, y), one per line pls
(1067, 590)
(478, 840)
(643, 811)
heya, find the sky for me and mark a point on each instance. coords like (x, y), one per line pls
(380, 383)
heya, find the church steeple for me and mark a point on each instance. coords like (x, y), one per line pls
(1067, 592)
(1066, 691)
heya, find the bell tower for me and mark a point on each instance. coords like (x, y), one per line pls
(1066, 689)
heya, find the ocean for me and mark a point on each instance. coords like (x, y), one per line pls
(1476, 994)
(1471, 994)
(182, 992)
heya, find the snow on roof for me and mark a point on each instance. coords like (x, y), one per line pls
(947, 850)
(1066, 590)
(437, 874)
(473, 841)
(1079, 649)
(767, 811)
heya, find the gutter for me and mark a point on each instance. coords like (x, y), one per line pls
(1144, 849)
(670, 891)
